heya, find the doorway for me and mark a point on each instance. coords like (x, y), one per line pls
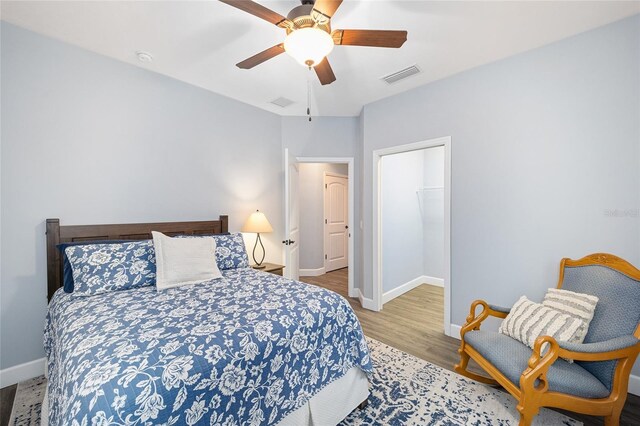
(411, 212)
(319, 206)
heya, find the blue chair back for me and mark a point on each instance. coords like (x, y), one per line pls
(618, 309)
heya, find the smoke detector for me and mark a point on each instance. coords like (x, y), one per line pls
(144, 56)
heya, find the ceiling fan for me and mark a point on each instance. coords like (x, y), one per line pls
(309, 36)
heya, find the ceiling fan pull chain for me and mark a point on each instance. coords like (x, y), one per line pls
(309, 94)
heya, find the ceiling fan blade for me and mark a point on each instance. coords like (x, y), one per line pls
(259, 58)
(373, 38)
(324, 72)
(257, 10)
(327, 7)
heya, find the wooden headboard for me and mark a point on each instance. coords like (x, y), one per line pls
(57, 234)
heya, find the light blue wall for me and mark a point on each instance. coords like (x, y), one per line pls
(542, 144)
(92, 140)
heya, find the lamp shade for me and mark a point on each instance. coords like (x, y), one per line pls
(308, 46)
(257, 223)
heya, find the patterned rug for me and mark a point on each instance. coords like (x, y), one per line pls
(28, 402)
(410, 391)
(405, 391)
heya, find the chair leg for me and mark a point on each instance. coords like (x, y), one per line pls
(363, 404)
(464, 361)
(526, 415)
(614, 418)
(525, 420)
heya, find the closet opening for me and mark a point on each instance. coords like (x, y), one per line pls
(411, 253)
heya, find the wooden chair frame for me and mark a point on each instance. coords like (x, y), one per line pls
(531, 397)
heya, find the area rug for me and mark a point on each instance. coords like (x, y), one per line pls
(410, 391)
(28, 402)
(405, 391)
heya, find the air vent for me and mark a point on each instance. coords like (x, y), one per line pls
(402, 74)
(282, 102)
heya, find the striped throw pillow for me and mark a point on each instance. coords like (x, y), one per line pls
(578, 305)
(528, 320)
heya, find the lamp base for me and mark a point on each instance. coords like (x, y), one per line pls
(258, 266)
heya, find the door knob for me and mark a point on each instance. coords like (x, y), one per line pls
(346, 227)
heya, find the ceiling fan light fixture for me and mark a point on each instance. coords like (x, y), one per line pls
(308, 46)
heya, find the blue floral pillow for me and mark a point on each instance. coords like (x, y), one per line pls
(99, 268)
(230, 252)
(67, 271)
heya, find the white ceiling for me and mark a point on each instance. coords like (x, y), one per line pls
(200, 42)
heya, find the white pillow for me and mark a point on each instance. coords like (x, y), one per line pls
(578, 305)
(182, 261)
(528, 320)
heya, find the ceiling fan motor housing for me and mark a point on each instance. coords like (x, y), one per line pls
(303, 16)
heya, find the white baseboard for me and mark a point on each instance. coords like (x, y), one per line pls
(365, 302)
(634, 384)
(438, 282)
(19, 373)
(311, 272)
(354, 292)
(634, 381)
(400, 290)
(455, 331)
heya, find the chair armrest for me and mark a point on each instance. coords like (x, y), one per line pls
(534, 378)
(539, 363)
(475, 320)
(500, 309)
(620, 347)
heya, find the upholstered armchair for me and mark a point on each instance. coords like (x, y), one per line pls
(596, 382)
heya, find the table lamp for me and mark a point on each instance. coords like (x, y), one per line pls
(257, 223)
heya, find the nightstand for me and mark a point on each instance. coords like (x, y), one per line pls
(272, 268)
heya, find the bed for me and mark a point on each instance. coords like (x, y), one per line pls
(247, 348)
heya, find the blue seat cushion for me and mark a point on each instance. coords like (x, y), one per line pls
(510, 357)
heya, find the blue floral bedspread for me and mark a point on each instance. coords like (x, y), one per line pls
(248, 348)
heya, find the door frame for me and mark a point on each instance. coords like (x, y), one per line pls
(289, 160)
(324, 212)
(377, 219)
(351, 196)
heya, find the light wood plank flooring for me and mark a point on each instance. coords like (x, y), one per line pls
(413, 323)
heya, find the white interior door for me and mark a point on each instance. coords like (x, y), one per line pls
(291, 217)
(336, 228)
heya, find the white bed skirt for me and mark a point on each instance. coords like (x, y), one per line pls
(333, 403)
(328, 407)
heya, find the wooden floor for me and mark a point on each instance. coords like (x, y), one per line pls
(413, 323)
(6, 402)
